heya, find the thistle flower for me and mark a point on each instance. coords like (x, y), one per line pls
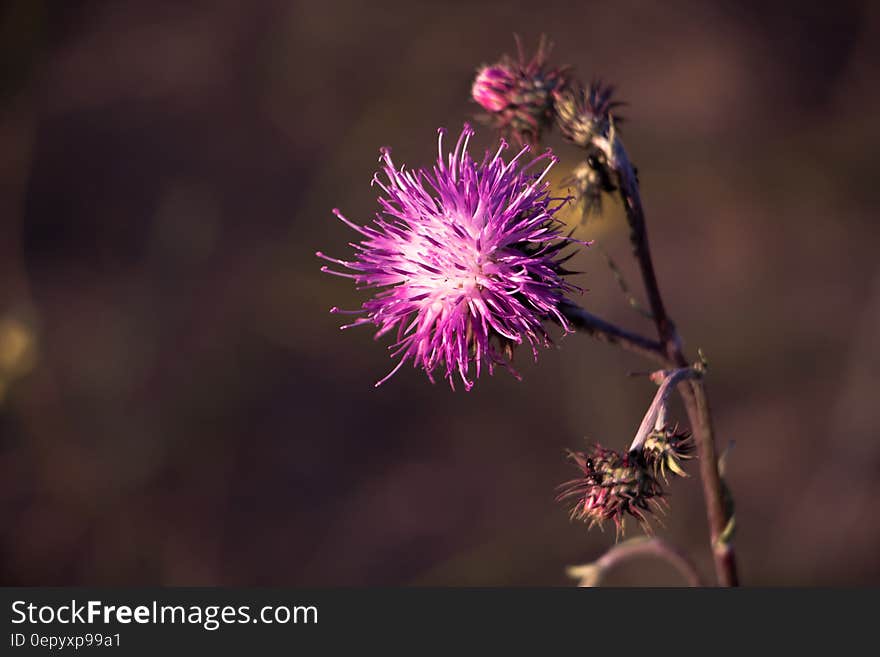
(612, 486)
(666, 448)
(518, 94)
(467, 259)
(583, 113)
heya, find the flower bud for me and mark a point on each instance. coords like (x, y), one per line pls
(518, 94)
(492, 87)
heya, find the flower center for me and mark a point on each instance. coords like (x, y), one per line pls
(457, 267)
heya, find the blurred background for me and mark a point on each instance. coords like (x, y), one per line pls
(178, 407)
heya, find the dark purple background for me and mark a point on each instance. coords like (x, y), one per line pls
(179, 408)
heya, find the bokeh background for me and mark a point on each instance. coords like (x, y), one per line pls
(178, 407)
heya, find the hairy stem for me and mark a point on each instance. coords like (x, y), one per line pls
(693, 392)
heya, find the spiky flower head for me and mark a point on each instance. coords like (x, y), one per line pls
(612, 486)
(466, 258)
(518, 93)
(666, 448)
(590, 181)
(585, 112)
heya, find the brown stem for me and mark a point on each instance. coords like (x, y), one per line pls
(693, 392)
(607, 332)
(699, 414)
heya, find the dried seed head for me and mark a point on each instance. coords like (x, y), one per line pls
(583, 113)
(611, 486)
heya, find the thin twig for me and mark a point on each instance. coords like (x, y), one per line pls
(592, 574)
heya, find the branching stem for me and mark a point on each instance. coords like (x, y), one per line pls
(669, 351)
(605, 331)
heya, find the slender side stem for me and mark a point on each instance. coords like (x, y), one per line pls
(607, 332)
(591, 574)
(693, 392)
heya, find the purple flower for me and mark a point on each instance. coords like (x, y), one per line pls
(466, 260)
